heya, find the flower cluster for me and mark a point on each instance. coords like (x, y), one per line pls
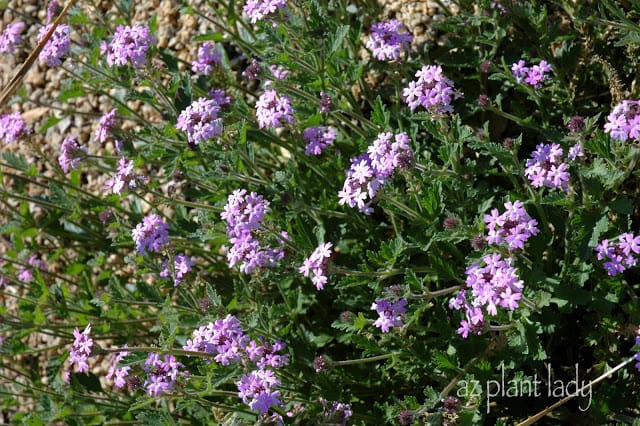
(259, 391)
(390, 314)
(151, 235)
(370, 171)
(128, 46)
(621, 255)
(534, 76)
(81, 349)
(70, 153)
(12, 127)
(432, 90)
(162, 374)
(243, 215)
(575, 151)
(200, 120)
(316, 264)
(513, 227)
(225, 339)
(336, 413)
(208, 58)
(181, 266)
(388, 40)
(26, 274)
(545, 167)
(57, 46)
(624, 121)
(116, 373)
(220, 97)
(318, 138)
(107, 121)
(11, 37)
(490, 284)
(125, 177)
(273, 109)
(279, 71)
(259, 9)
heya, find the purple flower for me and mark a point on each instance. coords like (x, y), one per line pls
(621, 255)
(26, 274)
(265, 354)
(316, 264)
(162, 373)
(118, 374)
(107, 121)
(57, 46)
(546, 168)
(369, 171)
(390, 314)
(200, 121)
(388, 40)
(128, 46)
(624, 121)
(337, 413)
(432, 90)
(260, 9)
(534, 76)
(225, 339)
(181, 266)
(220, 97)
(513, 227)
(70, 153)
(318, 138)
(125, 177)
(53, 10)
(257, 390)
(11, 37)
(208, 59)
(272, 109)
(12, 127)
(252, 72)
(151, 235)
(575, 151)
(81, 349)
(279, 71)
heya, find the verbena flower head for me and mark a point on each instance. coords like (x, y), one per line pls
(12, 127)
(533, 76)
(11, 37)
(53, 10)
(546, 168)
(279, 71)
(575, 151)
(388, 40)
(124, 178)
(261, 9)
(107, 121)
(513, 227)
(208, 59)
(265, 354)
(151, 235)
(220, 97)
(181, 267)
(491, 283)
(163, 372)
(273, 109)
(390, 314)
(224, 338)
(57, 46)
(336, 413)
(116, 373)
(318, 138)
(624, 121)
(432, 90)
(71, 153)
(369, 172)
(129, 46)
(316, 265)
(258, 390)
(253, 70)
(200, 120)
(619, 255)
(81, 349)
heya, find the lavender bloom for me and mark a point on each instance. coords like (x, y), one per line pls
(546, 168)
(128, 46)
(259, 9)
(513, 228)
(11, 37)
(181, 266)
(388, 40)
(257, 390)
(432, 90)
(118, 374)
(534, 76)
(151, 235)
(208, 59)
(125, 177)
(81, 349)
(620, 255)
(624, 121)
(70, 153)
(575, 151)
(369, 172)
(318, 138)
(391, 314)
(220, 97)
(224, 339)
(496, 283)
(12, 127)
(200, 121)
(107, 121)
(279, 71)
(265, 354)
(162, 374)
(316, 264)
(26, 273)
(272, 109)
(57, 46)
